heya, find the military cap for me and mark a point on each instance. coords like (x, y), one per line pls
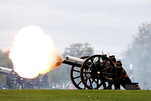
(112, 57)
(118, 63)
(103, 58)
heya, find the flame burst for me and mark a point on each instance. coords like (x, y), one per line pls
(33, 52)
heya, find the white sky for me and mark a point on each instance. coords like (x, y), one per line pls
(107, 25)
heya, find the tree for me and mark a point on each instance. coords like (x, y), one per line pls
(78, 50)
(4, 62)
(139, 54)
(61, 74)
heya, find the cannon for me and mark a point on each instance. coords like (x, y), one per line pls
(14, 81)
(91, 72)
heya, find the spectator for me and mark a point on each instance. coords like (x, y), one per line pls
(71, 86)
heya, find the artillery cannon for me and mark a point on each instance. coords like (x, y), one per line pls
(91, 72)
(14, 81)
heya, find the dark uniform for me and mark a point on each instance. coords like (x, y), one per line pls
(111, 70)
(122, 77)
(44, 82)
(112, 57)
(37, 82)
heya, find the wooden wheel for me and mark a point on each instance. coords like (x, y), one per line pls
(13, 80)
(75, 76)
(98, 71)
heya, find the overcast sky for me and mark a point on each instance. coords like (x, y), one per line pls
(107, 25)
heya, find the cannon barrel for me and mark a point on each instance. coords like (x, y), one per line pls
(5, 70)
(70, 60)
(75, 59)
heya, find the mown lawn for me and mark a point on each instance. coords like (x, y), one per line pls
(74, 95)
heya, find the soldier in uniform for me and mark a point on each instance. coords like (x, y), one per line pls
(44, 82)
(104, 60)
(113, 59)
(122, 77)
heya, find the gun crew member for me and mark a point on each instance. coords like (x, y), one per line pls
(113, 59)
(122, 77)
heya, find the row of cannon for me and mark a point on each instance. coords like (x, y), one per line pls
(87, 72)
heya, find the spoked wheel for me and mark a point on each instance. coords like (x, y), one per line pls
(13, 80)
(98, 71)
(75, 76)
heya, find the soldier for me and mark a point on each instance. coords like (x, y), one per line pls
(122, 77)
(106, 64)
(37, 82)
(113, 59)
(104, 60)
(44, 82)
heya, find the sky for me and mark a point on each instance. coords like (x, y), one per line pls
(107, 25)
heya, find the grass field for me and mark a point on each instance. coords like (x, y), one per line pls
(74, 95)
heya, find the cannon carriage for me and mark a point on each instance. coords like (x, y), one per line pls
(14, 81)
(91, 72)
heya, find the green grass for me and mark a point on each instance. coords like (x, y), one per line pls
(74, 95)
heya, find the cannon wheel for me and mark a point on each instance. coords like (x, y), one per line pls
(75, 76)
(13, 80)
(98, 71)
